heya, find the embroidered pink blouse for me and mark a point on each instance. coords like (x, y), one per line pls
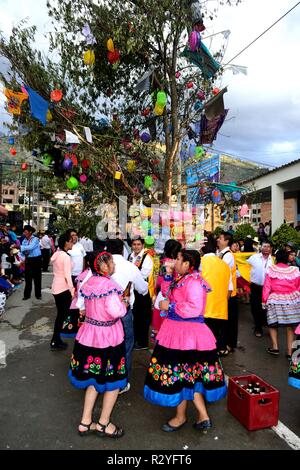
(102, 303)
(282, 284)
(188, 300)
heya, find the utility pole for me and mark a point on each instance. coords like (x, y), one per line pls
(30, 195)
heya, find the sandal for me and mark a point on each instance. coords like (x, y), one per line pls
(224, 353)
(274, 352)
(89, 430)
(118, 432)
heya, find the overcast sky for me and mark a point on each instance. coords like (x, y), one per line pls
(263, 123)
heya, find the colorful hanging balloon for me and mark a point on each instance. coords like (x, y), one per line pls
(146, 112)
(216, 91)
(189, 85)
(89, 57)
(24, 166)
(236, 196)
(47, 159)
(161, 99)
(149, 240)
(56, 95)
(83, 178)
(198, 106)
(11, 141)
(110, 45)
(85, 164)
(34, 153)
(158, 110)
(177, 74)
(244, 210)
(145, 137)
(13, 151)
(201, 95)
(216, 196)
(118, 175)
(148, 182)
(72, 183)
(67, 164)
(113, 56)
(131, 165)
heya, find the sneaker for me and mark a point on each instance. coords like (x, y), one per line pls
(136, 347)
(58, 346)
(125, 389)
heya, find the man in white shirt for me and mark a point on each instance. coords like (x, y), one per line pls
(128, 276)
(87, 244)
(260, 263)
(77, 254)
(142, 308)
(46, 249)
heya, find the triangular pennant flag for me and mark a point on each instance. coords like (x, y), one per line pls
(71, 138)
(88, 134)
(215, 106)
(38, 105)
(143, 83)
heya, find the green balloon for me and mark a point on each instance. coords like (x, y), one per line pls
(199, 151)
(149, 240)
(146, 225)
(148, 182)
(72, 183)
(47, 159)
(161, 99)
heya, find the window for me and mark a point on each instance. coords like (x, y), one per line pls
(254, 220)
(258, 211)
(11, 192)
(254, 211)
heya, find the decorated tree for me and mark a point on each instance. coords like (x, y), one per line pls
(135, 73)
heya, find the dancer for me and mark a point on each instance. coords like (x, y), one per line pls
(185, 364)
(98, 361)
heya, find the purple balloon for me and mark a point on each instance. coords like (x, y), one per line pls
(67, 164)
(145, 137)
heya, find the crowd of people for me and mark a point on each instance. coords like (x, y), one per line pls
(109, 297)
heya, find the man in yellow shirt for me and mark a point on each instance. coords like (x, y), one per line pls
(218, 275)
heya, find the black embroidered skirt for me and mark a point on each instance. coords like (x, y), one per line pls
(105, 368)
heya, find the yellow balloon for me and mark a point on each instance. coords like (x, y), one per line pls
(131, 165)
(110, 45)
(49, 116)
(118, 175)
(158, 110)
(89, 57)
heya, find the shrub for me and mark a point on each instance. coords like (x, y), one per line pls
(285, 234)
(243, 230)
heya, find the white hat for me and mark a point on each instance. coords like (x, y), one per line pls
(255, 239)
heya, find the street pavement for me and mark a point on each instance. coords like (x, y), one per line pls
(41, 410)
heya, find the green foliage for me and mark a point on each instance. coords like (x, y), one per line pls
(78, 218)
(218, 230)
(285, 234)
(243, 230)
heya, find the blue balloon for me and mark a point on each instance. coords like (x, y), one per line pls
(34, 153)
(198, 106)
(11, 141)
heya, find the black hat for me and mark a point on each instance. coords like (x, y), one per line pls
(29, 228)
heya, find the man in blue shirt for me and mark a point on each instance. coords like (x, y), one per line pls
(33, 263)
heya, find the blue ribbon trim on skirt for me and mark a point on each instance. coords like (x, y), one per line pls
(101, 388)
(68, 335)
(294, 382)
(163, 399)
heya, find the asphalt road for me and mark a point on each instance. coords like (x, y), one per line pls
(41, 410)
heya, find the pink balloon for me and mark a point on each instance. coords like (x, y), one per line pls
(83, 178)
(244, 210)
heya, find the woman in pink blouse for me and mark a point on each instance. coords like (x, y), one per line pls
(98, 361)
(281, 296)
(185, 364)
(62, 288)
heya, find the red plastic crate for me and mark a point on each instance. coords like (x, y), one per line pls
(248, 408)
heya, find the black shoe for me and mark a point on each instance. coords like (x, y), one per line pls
(203, 425)
(169, 428)
(26, 298)
(58, 346)
(39, 298)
